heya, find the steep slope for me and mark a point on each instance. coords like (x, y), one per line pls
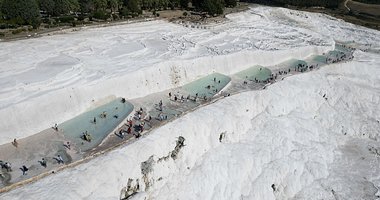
(288, 136)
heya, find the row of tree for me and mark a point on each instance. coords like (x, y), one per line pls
(29, 11)
(20, 11)
(309, 3)
(301, 3)
(370, 1)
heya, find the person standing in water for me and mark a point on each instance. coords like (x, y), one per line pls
(68, 145)
(59, 159)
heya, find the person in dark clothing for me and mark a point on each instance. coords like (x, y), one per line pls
(15, 143)
(43, 162)
(24, 169)
(59, 159)
(7, 166)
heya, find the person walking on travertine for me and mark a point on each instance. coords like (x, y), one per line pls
(15, 143)
(8, 166)
(24, 169)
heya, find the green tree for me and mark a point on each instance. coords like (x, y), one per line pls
(73, 5)
(113, 5)
(47, 5)
(146, 4)
(184, 3)
(100, 4)
(173, 3)
(21, 12)
(197, 3)
(213, 7)
(162, 4)
(86, 6)
(1, 13)
(132, 7)
(230, 3)
(370, 1)
(324, 3)
(59, 7)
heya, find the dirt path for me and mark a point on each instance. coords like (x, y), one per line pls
(345, 5)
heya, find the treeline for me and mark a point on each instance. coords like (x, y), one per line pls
(310, 3)
(32, 12)
(369, 1)
(300, 3)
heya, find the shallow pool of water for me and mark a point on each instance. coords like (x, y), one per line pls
(207, 86)
(319, 59)
(338, 51)
(116, 112)
(339, 47)
(293, 63)
(259, 72)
